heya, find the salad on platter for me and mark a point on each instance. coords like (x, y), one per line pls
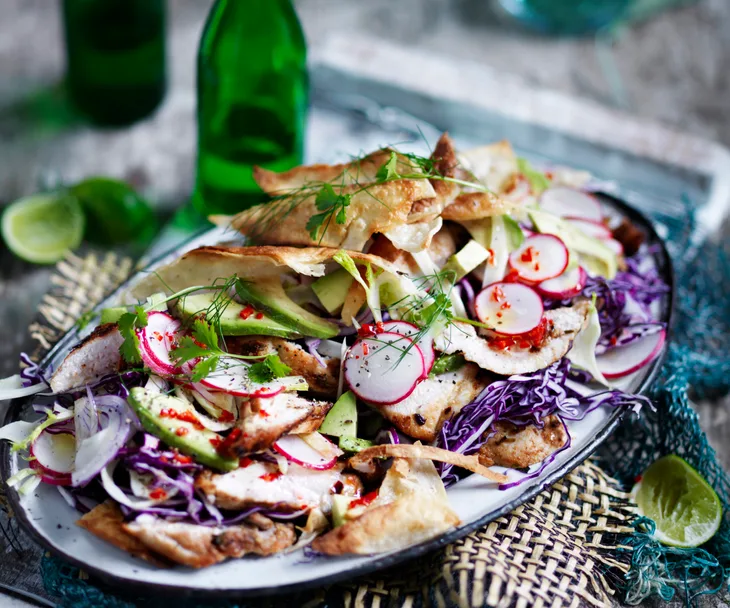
(390, 326)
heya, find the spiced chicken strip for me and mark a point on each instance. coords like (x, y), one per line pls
(322, 380)
(94, 357)
(434, 400)
(519, 447)
(200, 546)
(563, 325)
(262, 484)
(263, 420)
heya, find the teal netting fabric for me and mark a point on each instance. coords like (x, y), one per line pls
(698, 364)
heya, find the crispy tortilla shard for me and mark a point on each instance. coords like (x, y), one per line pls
(403, 450)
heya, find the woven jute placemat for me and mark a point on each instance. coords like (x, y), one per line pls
(562, 549)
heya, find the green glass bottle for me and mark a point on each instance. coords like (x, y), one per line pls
(252, 100)
(115, 51)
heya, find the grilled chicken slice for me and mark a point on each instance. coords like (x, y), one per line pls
(263, 420)
(200, 546)
(261, 484)
(519, 447)
(434, 400)
(563, 325)
(321, 380)
(106, 521)
(94, 357)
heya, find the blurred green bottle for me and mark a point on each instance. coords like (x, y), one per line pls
(115, 53)
(252, 100)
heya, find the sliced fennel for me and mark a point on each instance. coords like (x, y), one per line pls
(583, 352)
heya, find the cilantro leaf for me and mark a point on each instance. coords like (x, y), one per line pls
(268, 369)
(188, 349)
(538, 180)
(447, 363)
(326, 197)
(85, 319)
(389, 171)
(204, 333)
(130, 347)
(204, 368)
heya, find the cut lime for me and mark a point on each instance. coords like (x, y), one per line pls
(115, 213)
(686, 510)
(42, 228)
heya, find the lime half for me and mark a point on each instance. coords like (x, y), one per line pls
(686, 510)
(42, 228)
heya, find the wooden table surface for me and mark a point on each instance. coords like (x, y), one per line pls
(672, 68)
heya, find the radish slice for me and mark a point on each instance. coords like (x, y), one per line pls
(567, 285)
(567, 202)
(156, 340)
(384, 369)
(298, 451)
(55, 452)
(50, 477)
(614, 246)
(425, 342)
(232, 377)
(597, 230)
(509, 308)
(625, 360)
(540, 257)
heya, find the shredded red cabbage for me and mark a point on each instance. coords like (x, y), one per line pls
(522, 400)
(30, 372)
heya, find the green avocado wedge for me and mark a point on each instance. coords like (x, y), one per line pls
(180, 434)
(232, 321)
(341, 420)
(271, 298)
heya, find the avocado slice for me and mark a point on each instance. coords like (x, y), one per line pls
(595, 254)
(340, 505)
(341, 420)
(231, 321)
(332, 289)
(195, 442)
(354, 444)
(271, 298)
(465, 260)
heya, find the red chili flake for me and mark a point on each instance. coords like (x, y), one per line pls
(271, 476)
(164, 459)
(549, 175)
(365, 500)
(534, 337)
(247, 312)
(497, 294)
(505, 305)
(226, 416)
(491, 260)
(638, 478)
(228, 442)
(512, 277)
(183, 459)
(499, 315)
(613, 340)
(527, 255)
(365, 349)
(379, 326)
(366, 330)
(263, 413)
(185, 416)
(536, 266)
(182, 431)
(158, 494)
(244, 462)
(259, 315)
(215, 441)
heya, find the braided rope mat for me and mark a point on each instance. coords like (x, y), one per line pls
(560, 550)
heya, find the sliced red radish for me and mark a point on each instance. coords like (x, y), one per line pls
(631, 334)
(424, 342)
(597, 230)
(49, 477)
(539, 258)
(298, 451)
(625, 360)
(567, 285)
(568, 202)
(156, 340)
(55, 452)
(232, 377)
(614, 246)
(383, 369)
(509, 308)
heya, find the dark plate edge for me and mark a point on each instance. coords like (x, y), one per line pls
(388, 560)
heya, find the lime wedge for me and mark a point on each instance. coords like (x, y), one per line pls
(686, 510)
(115, 213)
(42, 228)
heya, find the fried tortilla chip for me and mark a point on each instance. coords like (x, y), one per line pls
(477, 205)
(205, 265)
(446, 165)
(107, 522)
(493, 165)
(416, 450)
